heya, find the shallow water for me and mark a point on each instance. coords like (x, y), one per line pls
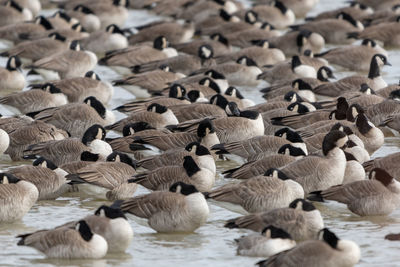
(211, 244)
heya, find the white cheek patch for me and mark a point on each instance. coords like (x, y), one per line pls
(342, 141)
(354, 112)
(206, 52)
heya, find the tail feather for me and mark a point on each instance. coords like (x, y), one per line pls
(219, 149)
(353, 35)
(316, 196)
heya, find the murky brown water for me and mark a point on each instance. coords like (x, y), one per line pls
(210, 245)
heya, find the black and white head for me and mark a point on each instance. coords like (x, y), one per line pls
(219, 38)
(97, 105)
(109, 212)
(246, 61)
(276, 173)
(251, 17)
(45, 163)
(114, 29)
(135, 127)
(62, 15)
(177, 91)
(84, 230)
(14, 63)
(298, 107)
(57, 36)
(295, 62)
(209, 82)
(205, 128)
(75, 46)
(332, 140)
(214, 74)
(160, 43)
(395, 95)
(289, 135)
(347, 17)
(219, 100)
(292, 97)
(123, 3)
(84, 9)
(302, 38)
(381, 175)
(121, 157)
(232, 109)
(363, 124)
(94, 132)
(302, 204)
(44, 22)
(78, 27)
(366, 89)
(205, 52)
(195, 95)
(14, 5)
(197, 149)
(274, 232)
(381, 60)
(279, 5)
(92, 75)
(233, 91)
(182, 188)
(324, 74)
(368, 42)
(157, 108)
(291, 150)
(51, 88)
(328, 237)
(8, 178)
(353, 111)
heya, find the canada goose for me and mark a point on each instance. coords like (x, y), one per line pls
(76, 32)
(386, 33)
(34, 100)
(176, 97)
(182, 209)
(271, 241)
(301, 220)
(213, 75)
(204, 9)
(33, 5)
(296, 42)
(217, 41)
(68, 64)
(261, 144)
(174, 32)
(380, 195)
(185, 64)
(262, 54)
(110, 223)
(215, 108)
(241, 126)
(121, 60)
(102, 41)
(189, 172)
(18, 197)
(15, 33)
(374, 80)
(11, 77)
(234, 94)
(143, 84)
(247, 37)
(34, 50)
(342, 25)
(371, 135)
(75, 118)
(110, 12)
(319, 173)
(328, 251)
(277, 14)
(299, 8)
(260, 193)
(47, 177)
(355, 58)
(12, 13)
(205, 133)
(387, 163)
(68, 150)
(354, 170)
(86, 17)
(156, 115)
(129, 132)
(355, 10)
(199, 153)
(79, 88)
(26, 133)
(286, 154)
(392, 91)
(111, 175)
(61, 20)
(68, 243)
(288, 71)
(383, 113)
